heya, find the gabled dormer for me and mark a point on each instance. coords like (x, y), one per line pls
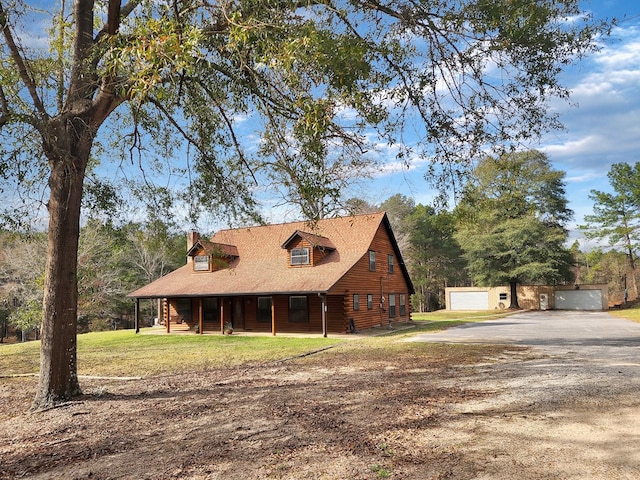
(206, 256)
(307, 249)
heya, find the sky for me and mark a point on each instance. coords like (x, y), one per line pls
(602, 123)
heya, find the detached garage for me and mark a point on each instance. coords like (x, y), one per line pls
(530, 297)
(580, 299)
(478, 300)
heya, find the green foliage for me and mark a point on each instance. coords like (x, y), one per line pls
(398, 208)
(322, 80)
(99, 325)
(115, 261)
(111, 263)
(434, 255)
(22, 277)
(511, 221)
(27, 317)
(380, 471)
(609, 267)
(616, 216)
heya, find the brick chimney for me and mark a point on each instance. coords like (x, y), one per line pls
(192, 238)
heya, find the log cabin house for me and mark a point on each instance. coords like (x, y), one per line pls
(337, 275)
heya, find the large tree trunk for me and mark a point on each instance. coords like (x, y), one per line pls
(67, 142)
(58, 360)
(513, 285)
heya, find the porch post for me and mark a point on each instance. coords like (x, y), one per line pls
(222, 315)
(200, 321)
(135, 315)
(324, 314)
(168, 319)
(273, 317)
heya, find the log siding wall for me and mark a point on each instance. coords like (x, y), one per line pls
(379, 283)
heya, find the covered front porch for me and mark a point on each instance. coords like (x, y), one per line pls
(312, 313)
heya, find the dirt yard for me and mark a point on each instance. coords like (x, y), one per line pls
(420, 412)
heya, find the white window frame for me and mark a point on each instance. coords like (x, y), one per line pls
(201, 263)
(392, 305)
(300, 256)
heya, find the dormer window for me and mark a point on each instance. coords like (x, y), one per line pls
(201, 263)
(307, 249)
(300, 256)
(206, 256)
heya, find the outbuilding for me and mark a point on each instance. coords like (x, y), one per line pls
(530, 297)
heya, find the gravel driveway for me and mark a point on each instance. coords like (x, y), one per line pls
(569, 409)
(575, 353)
(595, 337)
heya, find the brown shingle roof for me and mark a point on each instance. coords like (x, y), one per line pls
(262, 266)
(215, 249)
(315, 240)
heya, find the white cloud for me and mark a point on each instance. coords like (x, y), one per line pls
(583, 177)
(604, 127)
(603, 122)
(573, 147)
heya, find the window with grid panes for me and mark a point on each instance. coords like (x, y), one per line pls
(392, 305)
(298, 311)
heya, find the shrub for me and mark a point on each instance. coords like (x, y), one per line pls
(99, 325)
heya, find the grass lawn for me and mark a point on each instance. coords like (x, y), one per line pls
(463, 316)
(632, 313)
(122, 353)
(442, 319)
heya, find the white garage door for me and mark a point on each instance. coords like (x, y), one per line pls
(469, 300)
(578, 299)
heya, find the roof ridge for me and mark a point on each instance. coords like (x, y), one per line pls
(303, 222)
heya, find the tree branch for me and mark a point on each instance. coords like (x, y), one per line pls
(194, 142)
(20, 63)
(107, 100)
(113, 21)
(375, 5)
(4, 108)
(82, 84)
(7, 115)
(236, 143)
(113, 17)
(105, 103)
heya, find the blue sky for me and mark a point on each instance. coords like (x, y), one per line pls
(602, 126)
